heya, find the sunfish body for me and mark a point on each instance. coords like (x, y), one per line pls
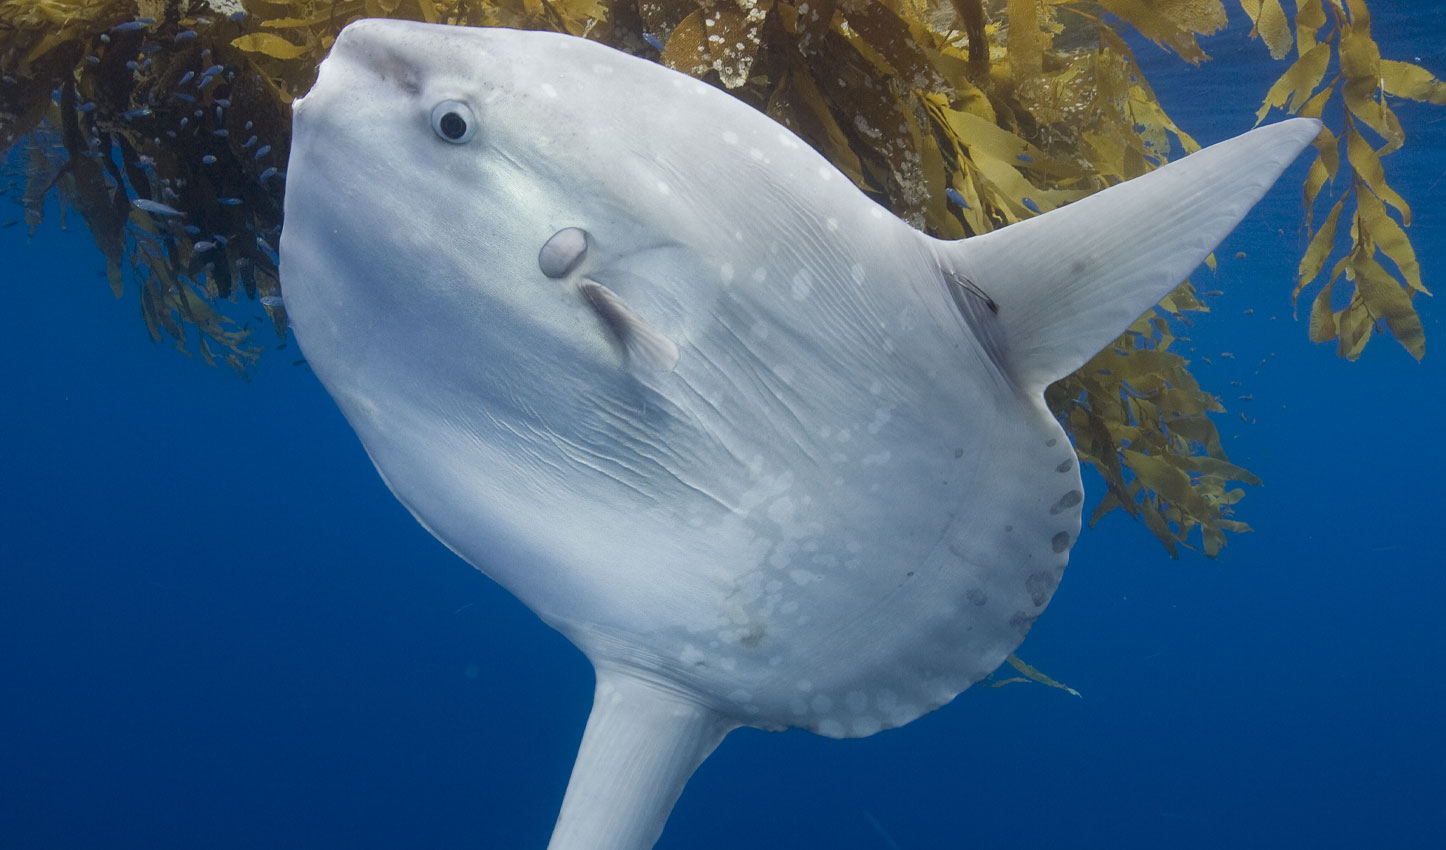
(766, 454)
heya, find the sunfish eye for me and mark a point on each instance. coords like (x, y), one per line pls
(453, 121)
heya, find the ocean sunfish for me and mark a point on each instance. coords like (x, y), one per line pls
(766, 454)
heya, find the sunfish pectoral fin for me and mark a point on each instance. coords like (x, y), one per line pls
(645, 347)
(641, 745)
(1068, 282)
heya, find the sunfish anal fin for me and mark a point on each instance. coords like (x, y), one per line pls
(646, 348)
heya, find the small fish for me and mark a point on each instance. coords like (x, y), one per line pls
(266, 249)
(220, 134)
(270, 172)
(272, 301)
(192, 229)
(132, 26)
(183, 97)
(1030, 205)
(208, 159)
(230, 202)
(142, 112)
(85, 107)
(249, 142)
(957, 197)
(155, 207)
(184, 35)
(202, 246)
(186, 78)
(261, 151)
(653, 41)
(94, 60)
(220, 240)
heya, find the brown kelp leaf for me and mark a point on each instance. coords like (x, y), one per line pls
(723, 38)
(1295, 86)
(1388, 301)
(1319, 248)
(1322, 319)
(1270, 25)
(1390, 238)
(1034, 675)
(1309, 18)
(1367, 164)
(1403, 79)
(1172, 23)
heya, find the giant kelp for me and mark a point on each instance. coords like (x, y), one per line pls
(164, 124)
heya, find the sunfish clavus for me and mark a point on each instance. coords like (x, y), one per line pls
(767, 455)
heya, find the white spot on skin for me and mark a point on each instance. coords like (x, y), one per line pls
(802, 286)
(804, 577)
(825, 173)
(691, 656)
(784, 372)
(831, 729)
(832, 224)
(725, 273)
(756, 154)
(760, 274)
(857, 273)
(730, 137)
(664, 188)
(549, 90)
(781, 511)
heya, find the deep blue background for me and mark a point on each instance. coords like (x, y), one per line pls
(218, 629)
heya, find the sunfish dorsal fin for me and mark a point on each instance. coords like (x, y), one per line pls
(646, 348)
(1068, 282)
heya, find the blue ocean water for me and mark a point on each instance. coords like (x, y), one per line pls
(218, 629)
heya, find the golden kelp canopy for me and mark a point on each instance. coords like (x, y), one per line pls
(165, 124)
